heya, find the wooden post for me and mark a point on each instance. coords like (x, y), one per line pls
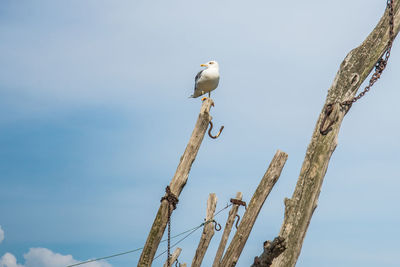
(257, 201)
(208, 231)
(178, 182)
(227, 231)
(352, 72)
(182, 265)
(174, 256)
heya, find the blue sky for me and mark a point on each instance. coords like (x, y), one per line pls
(95, 115)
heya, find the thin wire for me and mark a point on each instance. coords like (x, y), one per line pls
(195, 229)
(191, 231)
(183, 238)
(106, 257)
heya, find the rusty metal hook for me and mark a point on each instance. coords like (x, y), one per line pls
(327, 112)
(215, 226)
(209, 131)
(237, 221)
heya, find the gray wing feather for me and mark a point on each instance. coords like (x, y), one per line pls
(197, 78)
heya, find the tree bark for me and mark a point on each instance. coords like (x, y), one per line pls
(227, 231)
(352, 72)
(208, 231)
(271, 251)
(178, 182)
(257, 201)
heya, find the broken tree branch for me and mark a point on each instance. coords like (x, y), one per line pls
(352, 72)
(178, 182)
(257, 201)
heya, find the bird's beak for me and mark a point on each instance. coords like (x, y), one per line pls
(203, 65)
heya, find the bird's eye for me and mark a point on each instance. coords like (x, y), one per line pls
(211, 62)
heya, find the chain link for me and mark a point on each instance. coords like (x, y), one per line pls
(379, 67)
(172, 201)
(382, 62)
(169, 236)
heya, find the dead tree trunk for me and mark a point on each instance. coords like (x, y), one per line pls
(178, 182)
(353, 71)
(257, 201)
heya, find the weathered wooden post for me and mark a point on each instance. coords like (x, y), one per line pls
(208, 231)
(178, 182)
(174, 256)
(227, 231)
(257, 201)
(352, 72)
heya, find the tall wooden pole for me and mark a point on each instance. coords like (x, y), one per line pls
(227, 231)
(208, 232)
(178, 182)
(353, 71)
(253, 209)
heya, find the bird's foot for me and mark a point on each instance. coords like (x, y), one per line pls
(204, 98)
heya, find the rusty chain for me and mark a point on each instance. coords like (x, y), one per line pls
(379, 67)
(172, 201)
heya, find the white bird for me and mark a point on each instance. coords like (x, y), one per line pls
(207, 79)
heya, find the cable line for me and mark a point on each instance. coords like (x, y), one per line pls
(190, 231)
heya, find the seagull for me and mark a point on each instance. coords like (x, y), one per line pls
(207, 79)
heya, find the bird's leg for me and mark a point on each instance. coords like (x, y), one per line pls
(209, 96)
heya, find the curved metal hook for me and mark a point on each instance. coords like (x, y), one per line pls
(209, 131)
(215, 226)
(237, 221)
(328, 128)
(176, 263)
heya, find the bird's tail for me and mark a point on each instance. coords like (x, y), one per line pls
(192, 96)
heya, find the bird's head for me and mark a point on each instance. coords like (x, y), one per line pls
(210, 64)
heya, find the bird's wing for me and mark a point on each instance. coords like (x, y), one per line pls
(197, 78)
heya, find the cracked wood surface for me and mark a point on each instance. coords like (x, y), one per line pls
(352, 72)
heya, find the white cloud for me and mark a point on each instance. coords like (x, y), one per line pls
(1, 234)
(9, 260)
(43, 257)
